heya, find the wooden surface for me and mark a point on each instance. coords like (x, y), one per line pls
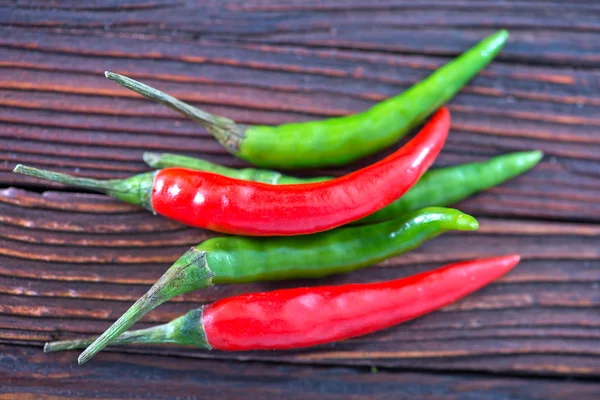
(72, 262)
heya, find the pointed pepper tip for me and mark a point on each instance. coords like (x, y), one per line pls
(151, 158)
(84, 357)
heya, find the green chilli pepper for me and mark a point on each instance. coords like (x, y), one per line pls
(335, 141)
(440, 187)
(167, 160)
(239, 259)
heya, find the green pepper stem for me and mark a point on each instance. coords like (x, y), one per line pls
(190, 272)
(145, 304)
(186, 330)
(93, 184)
(136, 189)
(226, 131)
(155, 334)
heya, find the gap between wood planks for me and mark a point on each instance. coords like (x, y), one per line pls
(360, 368)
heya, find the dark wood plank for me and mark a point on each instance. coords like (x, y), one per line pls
(71, 263)
(67, 273)
(31, 375)
(59, 112)
(566, 32)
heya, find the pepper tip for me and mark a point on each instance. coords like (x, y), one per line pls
(83, 358)
(150, 158)
(473, 224)
(529, 159)
(515, 258)
(495, 42)
(18, 168)
(508, 262)
(467, 222)
(111, 75)
(537, 155)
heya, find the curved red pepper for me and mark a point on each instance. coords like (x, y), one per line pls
(294, 318)
(297, 318)
(249, 208)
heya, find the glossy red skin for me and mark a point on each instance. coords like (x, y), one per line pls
(296, 318)
(241, 207)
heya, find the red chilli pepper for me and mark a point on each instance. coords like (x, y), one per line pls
(294, 318)
(235, 206)
(297, 318)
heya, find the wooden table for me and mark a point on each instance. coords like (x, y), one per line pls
(72, 262)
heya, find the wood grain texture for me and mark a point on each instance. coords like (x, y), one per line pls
(444, 27)
(67, 273)
(71, 263)
(60, 112)
(31, 375)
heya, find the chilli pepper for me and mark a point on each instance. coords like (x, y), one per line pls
(440, 187)
(167, 160)
(236, 206)
(235, 259)
(303, 317)
(335, 141)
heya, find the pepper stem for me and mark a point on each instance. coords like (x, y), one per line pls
(226, 131)
(186, 330)
(189, 272)
(92, 184)
(135, 190)
(156, 334)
